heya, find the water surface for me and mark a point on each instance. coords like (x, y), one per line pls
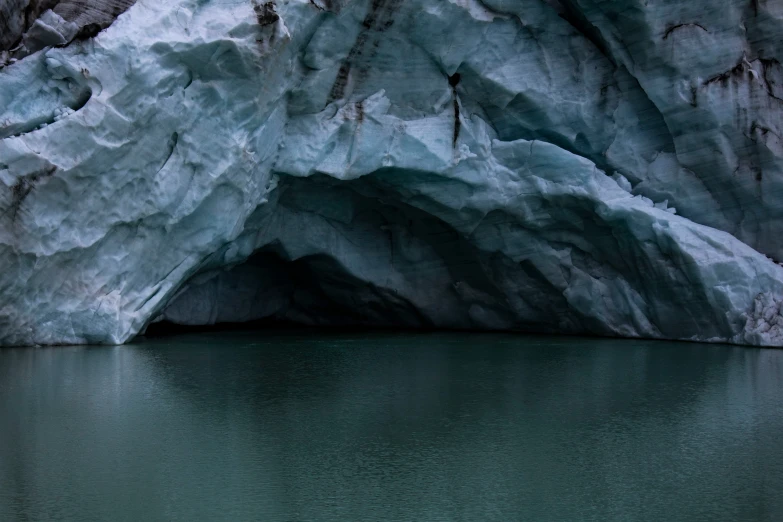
(374, 426)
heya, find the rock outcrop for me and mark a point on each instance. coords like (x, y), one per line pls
(574, 166)
(27, 26)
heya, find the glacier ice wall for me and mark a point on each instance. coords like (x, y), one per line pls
(574, 166)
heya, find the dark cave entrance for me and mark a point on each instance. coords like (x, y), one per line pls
(312, 292)
(388, 265)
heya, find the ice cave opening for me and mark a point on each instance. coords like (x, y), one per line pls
(354, 256)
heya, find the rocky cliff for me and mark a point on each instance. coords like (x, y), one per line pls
(576, 166)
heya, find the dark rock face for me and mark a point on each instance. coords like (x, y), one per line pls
(92, 12)
(16, 17)
(22, 34)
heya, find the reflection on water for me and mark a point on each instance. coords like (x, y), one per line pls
(332, 426)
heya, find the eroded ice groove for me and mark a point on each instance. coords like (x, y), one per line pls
(563, 166)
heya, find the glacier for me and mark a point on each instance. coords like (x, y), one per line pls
(598, 167)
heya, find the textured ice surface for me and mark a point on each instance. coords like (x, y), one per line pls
(580, 166)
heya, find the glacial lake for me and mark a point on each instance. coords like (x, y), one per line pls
(377, 426)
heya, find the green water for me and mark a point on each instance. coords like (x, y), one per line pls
(413, 427)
